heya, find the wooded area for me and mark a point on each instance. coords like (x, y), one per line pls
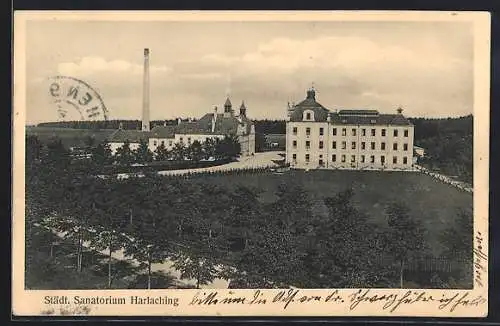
(211, 231)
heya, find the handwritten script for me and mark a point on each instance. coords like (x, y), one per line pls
(480, 260)
(354, 299)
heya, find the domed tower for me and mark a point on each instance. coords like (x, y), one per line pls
(228, 109)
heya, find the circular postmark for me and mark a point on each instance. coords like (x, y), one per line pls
(75, 99)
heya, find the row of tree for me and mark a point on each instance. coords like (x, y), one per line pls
(211, 231)
(261, 126)
(102, 155)
(448, 144)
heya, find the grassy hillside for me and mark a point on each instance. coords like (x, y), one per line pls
(434, 203)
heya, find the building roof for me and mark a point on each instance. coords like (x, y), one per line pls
(133, 136)
(320, 112)
(358, 112)
(380, 119)
(162, 132)
(344, 116)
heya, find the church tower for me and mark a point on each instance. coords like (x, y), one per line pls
(228, 109)
(243, 109)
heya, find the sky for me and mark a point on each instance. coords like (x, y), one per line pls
(424, 67)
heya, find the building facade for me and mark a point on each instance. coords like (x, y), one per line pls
(212, 125)
(347, 139)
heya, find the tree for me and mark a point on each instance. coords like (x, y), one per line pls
(142, 154)
(33, 149)
(152, 232)
(406, 236)
(260, 142)
(124, 155)
(458, 241)
(196, 151)
(161, 153)
(229, 147)
(209, 147)
(178, 153)
(102, 155)
(203, 234)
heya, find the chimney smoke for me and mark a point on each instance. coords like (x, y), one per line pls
(145, 94)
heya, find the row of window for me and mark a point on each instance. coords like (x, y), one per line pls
(155, 143)
(353, 145)
(353, 159)
(170, 142)
(383, 132)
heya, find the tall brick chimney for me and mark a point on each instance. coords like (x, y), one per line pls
(145, 92)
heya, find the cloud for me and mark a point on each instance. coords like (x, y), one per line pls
(95, 65)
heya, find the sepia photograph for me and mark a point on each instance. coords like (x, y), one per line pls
(243, 152)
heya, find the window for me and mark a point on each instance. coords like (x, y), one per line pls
(308, 131)
(344, 145)
(334, 131)
(405, 147)
(395, 146)
(353, 131)
(353, 145)
(181, 139)
(308, 116)
(382, 146)
(383, 132)
(344, 131)
(373, 132)
(382, 159)
(334, 145)
(189, 140)
(343, 158)
(394, 160)
(321, 131)
(363, 145)
(294, 144)
(406, 133)
(321, 163)
(154, 143)
(294, 130)
(294, 157)
(405, 160)
(353, 158)
(308, 144)
(320, 144)
(372, 159)
(395, 132)
(170, 143)
(162, 143)
(334, 158)
(307, 157)
(362, 159)
(363, 132)
(373, 145)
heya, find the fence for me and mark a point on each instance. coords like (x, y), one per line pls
(225, 172)
(457, 184)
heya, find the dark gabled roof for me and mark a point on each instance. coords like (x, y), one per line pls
(223, 126)
(133, 136)
(381, 119)
(163, 132)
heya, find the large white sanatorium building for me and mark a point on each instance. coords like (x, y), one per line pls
(347, 139)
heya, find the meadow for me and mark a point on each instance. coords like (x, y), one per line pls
(432, 202)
